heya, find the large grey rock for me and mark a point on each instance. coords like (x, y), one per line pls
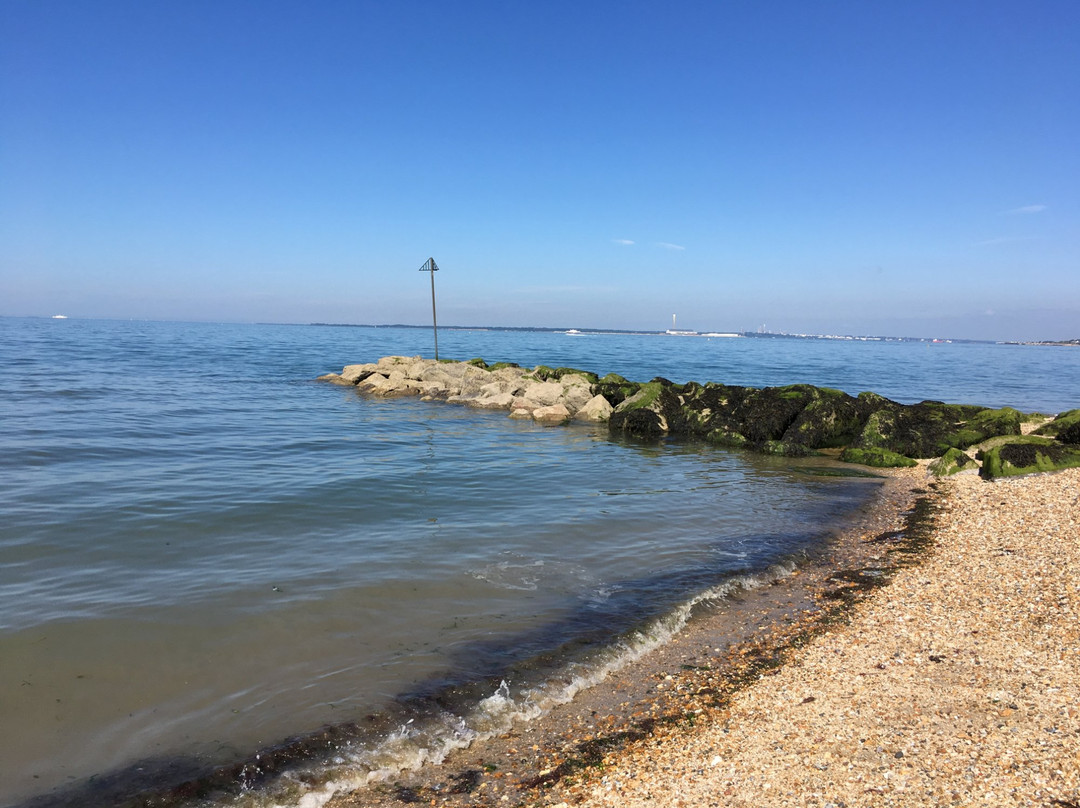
(577, 392)
(524, 404)
(499, 401)
(597, 410)
(373, 383)
(555, 414)
(355, 373)
(473, 380)
(544, 393)
(513, 379)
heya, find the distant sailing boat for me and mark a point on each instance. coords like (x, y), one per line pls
(675, 332)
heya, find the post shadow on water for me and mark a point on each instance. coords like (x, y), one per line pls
(475, 671)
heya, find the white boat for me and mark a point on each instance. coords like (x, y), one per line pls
(59, 316)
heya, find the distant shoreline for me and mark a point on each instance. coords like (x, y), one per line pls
(684, 335)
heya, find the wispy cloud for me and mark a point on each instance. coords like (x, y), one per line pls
(623, 241)
(669, 246)
(1025, 210)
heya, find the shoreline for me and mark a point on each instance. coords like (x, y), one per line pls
(957, 682)
(724, 647)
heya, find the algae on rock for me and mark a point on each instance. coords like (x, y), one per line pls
(1028, 455)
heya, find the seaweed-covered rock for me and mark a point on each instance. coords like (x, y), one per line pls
(1028, 455)
(794, 420)
(952, 462)
(641, 423)
(615, 388)
(1066, 427)
(875, 456)
(830, 418)
(546, 374)
(931, 428)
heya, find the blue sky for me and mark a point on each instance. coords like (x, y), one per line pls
(904, 168)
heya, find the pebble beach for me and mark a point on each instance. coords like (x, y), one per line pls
(953, 680)
(956, 684)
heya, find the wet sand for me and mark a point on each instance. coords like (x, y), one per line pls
(598, 749)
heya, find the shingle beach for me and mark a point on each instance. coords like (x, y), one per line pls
(956, 683)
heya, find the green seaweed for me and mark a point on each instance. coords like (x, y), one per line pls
(1028, 455)
(952, 462)
(1066, 427)
(875, 456)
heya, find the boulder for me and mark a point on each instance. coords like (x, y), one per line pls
(334, 378)
(356, 373)
(555, 414)
(793, 420)
(1065, 427)
(577, 392)
(544, 393)
(597, 410)
(880, 458)
(373, 383)
(473, 380)
(522, 404)
(1030, 454)
(387, 364)
(499, 401)
(952, 462)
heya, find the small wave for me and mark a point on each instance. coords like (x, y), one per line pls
(420, 742)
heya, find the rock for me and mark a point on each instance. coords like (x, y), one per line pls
(499, 401)
(333, 378)
(544, 393)
(373, 383)
(511, 377)
(576, 392)
(952, 462)
(433, 389)
(1030, 454)
(930, 428)
(356, 373)
(1065, 427)
(390, 363)
(555, 414)
(473, 380)
(881, 458)
(794, 420)
(522, 404)
(597, 410)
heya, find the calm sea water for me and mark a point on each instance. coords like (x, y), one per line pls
(203, 552)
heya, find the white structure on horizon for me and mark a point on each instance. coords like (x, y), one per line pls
(675, 332)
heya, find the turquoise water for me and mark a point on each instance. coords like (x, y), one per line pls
(204, 553)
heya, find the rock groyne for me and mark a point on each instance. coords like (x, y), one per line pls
(794, 420)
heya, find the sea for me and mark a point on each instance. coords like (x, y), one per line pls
(223, 583)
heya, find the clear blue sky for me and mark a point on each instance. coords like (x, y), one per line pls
(906, 168)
